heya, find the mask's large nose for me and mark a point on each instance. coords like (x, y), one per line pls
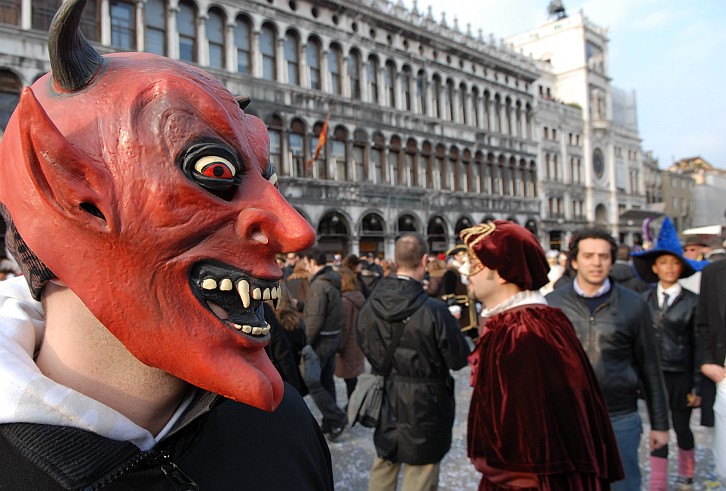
(274, 224)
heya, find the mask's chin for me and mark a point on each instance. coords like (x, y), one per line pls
(234, 297)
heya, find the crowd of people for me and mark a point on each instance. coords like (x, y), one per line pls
(148, 346)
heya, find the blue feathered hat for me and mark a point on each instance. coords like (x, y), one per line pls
(667, 243)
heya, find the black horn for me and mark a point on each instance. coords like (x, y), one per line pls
(73, 60)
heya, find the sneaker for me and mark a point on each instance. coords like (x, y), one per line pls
(684, 484)
(334, 432)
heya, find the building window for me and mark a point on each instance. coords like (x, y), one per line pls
(462, 105)
(436, 97)
(358, 157)
(9, 96)
(336, 81)
(439, 172)
(338, 155)
(372, 74)
(313, 59)
(43, 12)
(421, 92)
(242, 43)
(123, 24)
(155, 31)
(186, 22)
(296, 148)
(394, 161)
(450, 101)
(354, 74)
(292, 58)
(377, 159)
(406, 88)
(267, 48)
(275, 148)
(215, 35)
(389, 75)
(320, 166)
(10, 12)
(475, 104)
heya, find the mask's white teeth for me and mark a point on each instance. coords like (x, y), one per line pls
(273, 293)
(247, 329)
(243, 288)
(256, 331)
(209, 284)
(265, 330)
(237, 326)
(266, 294)
(257, 294)
(279, 292)
(226, 285)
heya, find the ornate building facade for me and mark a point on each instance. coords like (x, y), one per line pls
(430, 128)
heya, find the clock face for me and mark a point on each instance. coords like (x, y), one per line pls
(598, 163)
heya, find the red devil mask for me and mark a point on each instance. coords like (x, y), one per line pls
(141, 183)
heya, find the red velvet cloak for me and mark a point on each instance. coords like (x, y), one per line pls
(536, 405)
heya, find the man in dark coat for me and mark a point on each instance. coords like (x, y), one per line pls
(323, 317)
(537, 418)
(711, 326)
(418, 406)
(614, 325)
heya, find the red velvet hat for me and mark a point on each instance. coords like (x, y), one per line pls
(511, 250)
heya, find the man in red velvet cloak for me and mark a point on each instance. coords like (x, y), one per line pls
(537, 418)
(144, 212)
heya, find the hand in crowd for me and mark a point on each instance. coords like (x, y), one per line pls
(714, 372)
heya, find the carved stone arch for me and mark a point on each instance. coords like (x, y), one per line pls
(601, 215)
(437, 233)
(408, 221)
(462, 222)
(334, 232)
(372, 232)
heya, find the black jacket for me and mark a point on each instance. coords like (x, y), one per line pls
(674, 330)
(418, 405)
(625, 274)
(229, 446)
(619, 341)
(323, 312)
(711, 316)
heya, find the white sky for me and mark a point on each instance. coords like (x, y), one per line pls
(672, 53)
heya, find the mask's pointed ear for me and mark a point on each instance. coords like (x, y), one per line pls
(64, 177)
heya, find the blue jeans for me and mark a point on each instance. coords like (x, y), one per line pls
(323, 390)
(627, 429)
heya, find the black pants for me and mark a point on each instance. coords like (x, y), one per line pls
(678, 385)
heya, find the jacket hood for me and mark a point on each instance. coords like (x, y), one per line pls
(329, 275)
(621, 272)
(394, 299)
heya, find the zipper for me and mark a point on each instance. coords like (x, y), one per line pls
(178, 479)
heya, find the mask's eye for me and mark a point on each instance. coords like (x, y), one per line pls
(216, 167)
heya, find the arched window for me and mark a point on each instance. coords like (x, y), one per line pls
(454, 174)
(439, 173)
(9, 96)
(292, 58)
(242, 42)
(533, 179)
(490, 171)
(358, 156)
(354, 74)
(450, 101)
(123, 24)
(478, 173)
(475, 100)
(274, 130)
(334, 68)
(339, 154)
(215, 35)
(408, 173)
(508, 116)
(186, 23)
(436, 96)
(486, 103)
(425, 166)
(394, 160)
(406, 87)
(467, 173)
(268, 43)
(372, 75)
(377, 155)
(518, 120)
(296, 148)
(497, 113)
(421, 87)
(320, 166)
(463, 105)
(155, 29)
(10, 12)
(43, 12)
(389, 77)
(91, 20)
(313, 59)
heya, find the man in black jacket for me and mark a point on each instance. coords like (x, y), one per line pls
(614, 325)
(144, 366)
(323, 317)
(418, 406)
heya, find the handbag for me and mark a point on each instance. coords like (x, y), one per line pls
(364, 405)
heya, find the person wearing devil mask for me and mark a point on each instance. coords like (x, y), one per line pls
(145, 216)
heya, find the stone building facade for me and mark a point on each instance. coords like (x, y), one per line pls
(430, 128)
